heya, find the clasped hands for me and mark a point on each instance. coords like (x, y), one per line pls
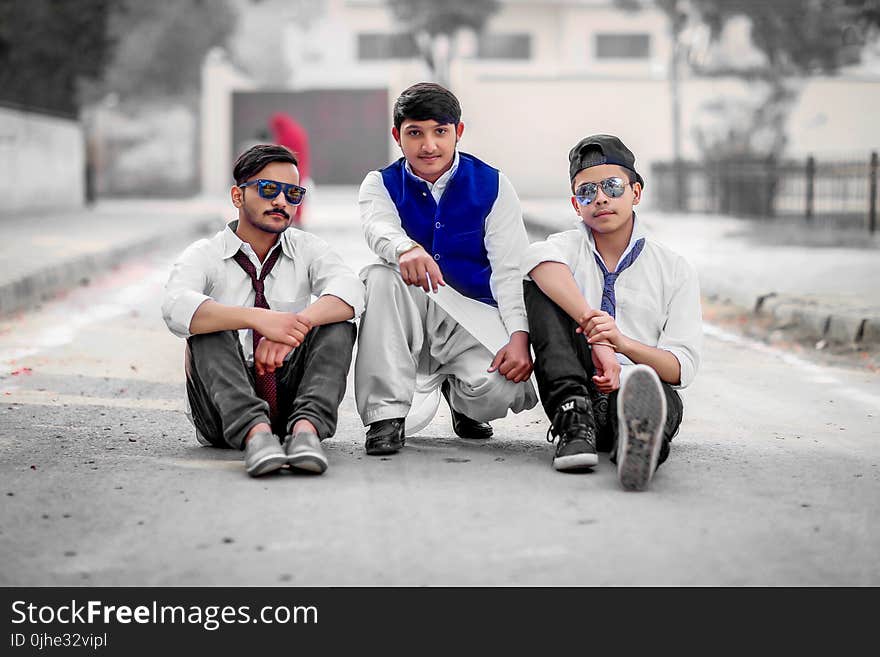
(600, 330)
(282, 333)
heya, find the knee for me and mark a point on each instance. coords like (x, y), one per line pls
(533, 295)
(494, 389)
(338, 335)
(382, 280)
(211, 343)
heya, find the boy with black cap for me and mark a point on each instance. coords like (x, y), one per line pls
(650, 316)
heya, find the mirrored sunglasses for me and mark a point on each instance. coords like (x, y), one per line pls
(269, 189)
(612, 188)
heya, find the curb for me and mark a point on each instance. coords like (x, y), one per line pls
(820, 320)
(813, 318)
(40, 286)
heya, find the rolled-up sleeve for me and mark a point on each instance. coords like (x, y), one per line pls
(506, 241)
(682, 334)
(328, 274)
(379, 218)
(559, 247)
(186, 289)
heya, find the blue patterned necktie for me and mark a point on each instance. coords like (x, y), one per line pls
(609, 302)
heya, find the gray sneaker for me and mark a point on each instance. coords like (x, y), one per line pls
(304, 452)
(263, 454)
(641, 414)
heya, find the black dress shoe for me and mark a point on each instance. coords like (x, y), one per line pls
(385, 437)
(464, 426)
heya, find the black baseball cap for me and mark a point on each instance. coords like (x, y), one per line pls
(601, 149)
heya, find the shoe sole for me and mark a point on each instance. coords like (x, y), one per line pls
(383, 450)
(641, 414)
(474, 437)
(575, 461)
(267, 464)
(308, 461)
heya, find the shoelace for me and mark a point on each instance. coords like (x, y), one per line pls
(552, 438)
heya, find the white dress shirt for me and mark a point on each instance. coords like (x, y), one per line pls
(306, 268)
(505, 237)
(658, 296)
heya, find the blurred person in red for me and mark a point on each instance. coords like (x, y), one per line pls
(288, 132)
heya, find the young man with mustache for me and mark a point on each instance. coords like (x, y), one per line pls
(263, 361)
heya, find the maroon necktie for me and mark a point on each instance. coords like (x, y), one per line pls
(265, 383)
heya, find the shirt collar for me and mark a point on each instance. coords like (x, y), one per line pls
(232, 243)
(442, 180)
(638, 232)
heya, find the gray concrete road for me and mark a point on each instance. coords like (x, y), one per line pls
(773, 479)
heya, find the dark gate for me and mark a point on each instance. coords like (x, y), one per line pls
(348, 128)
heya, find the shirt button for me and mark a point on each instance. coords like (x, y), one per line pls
(436, 256)
(438, 225)
(424, 193)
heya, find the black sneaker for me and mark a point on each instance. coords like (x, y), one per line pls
(385, 437)
(641, 414)
(464, 426)
(573, 429)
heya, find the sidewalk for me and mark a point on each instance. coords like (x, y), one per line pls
(48, 252)
(824, 292)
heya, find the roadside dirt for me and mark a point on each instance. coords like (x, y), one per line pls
(766, 329)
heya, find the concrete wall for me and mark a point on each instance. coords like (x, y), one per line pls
(526, 126)
(42, 161)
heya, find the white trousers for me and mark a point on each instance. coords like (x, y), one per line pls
(408, 343)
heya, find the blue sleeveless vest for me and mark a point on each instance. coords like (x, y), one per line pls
(453, 230)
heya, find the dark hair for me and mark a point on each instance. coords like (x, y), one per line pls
(424, 101)
(256, 157)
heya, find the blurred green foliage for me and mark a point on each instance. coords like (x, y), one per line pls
(47, 46)
(57, 55)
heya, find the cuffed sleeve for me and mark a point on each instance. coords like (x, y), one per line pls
(506, 241)
(186, 289)
(559, 247)
(682, 335)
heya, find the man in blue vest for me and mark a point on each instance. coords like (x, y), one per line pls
(444, 300)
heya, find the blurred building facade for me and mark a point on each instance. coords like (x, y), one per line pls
(42, 159)
(540, 76)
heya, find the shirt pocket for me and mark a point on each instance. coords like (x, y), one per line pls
(285, 306)
(642, 310)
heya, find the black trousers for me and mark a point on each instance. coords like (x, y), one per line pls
(564, 369)
(311, 384)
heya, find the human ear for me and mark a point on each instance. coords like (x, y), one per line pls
(637, 193)
(236, 195)
(396, 134)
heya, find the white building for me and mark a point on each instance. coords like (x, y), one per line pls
(541, 76)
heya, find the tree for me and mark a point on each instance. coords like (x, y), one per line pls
(163, 46)
(435, 27)
(48, 48)
(796, 37)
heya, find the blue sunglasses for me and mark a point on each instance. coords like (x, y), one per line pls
(612, 188)
(269, 189)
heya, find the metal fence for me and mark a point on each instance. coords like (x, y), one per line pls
(839, 193)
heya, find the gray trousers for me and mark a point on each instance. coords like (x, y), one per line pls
(406, 340)
(311, 384)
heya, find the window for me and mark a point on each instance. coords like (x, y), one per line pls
(623, 46)
(504, 46)
(386, 46)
